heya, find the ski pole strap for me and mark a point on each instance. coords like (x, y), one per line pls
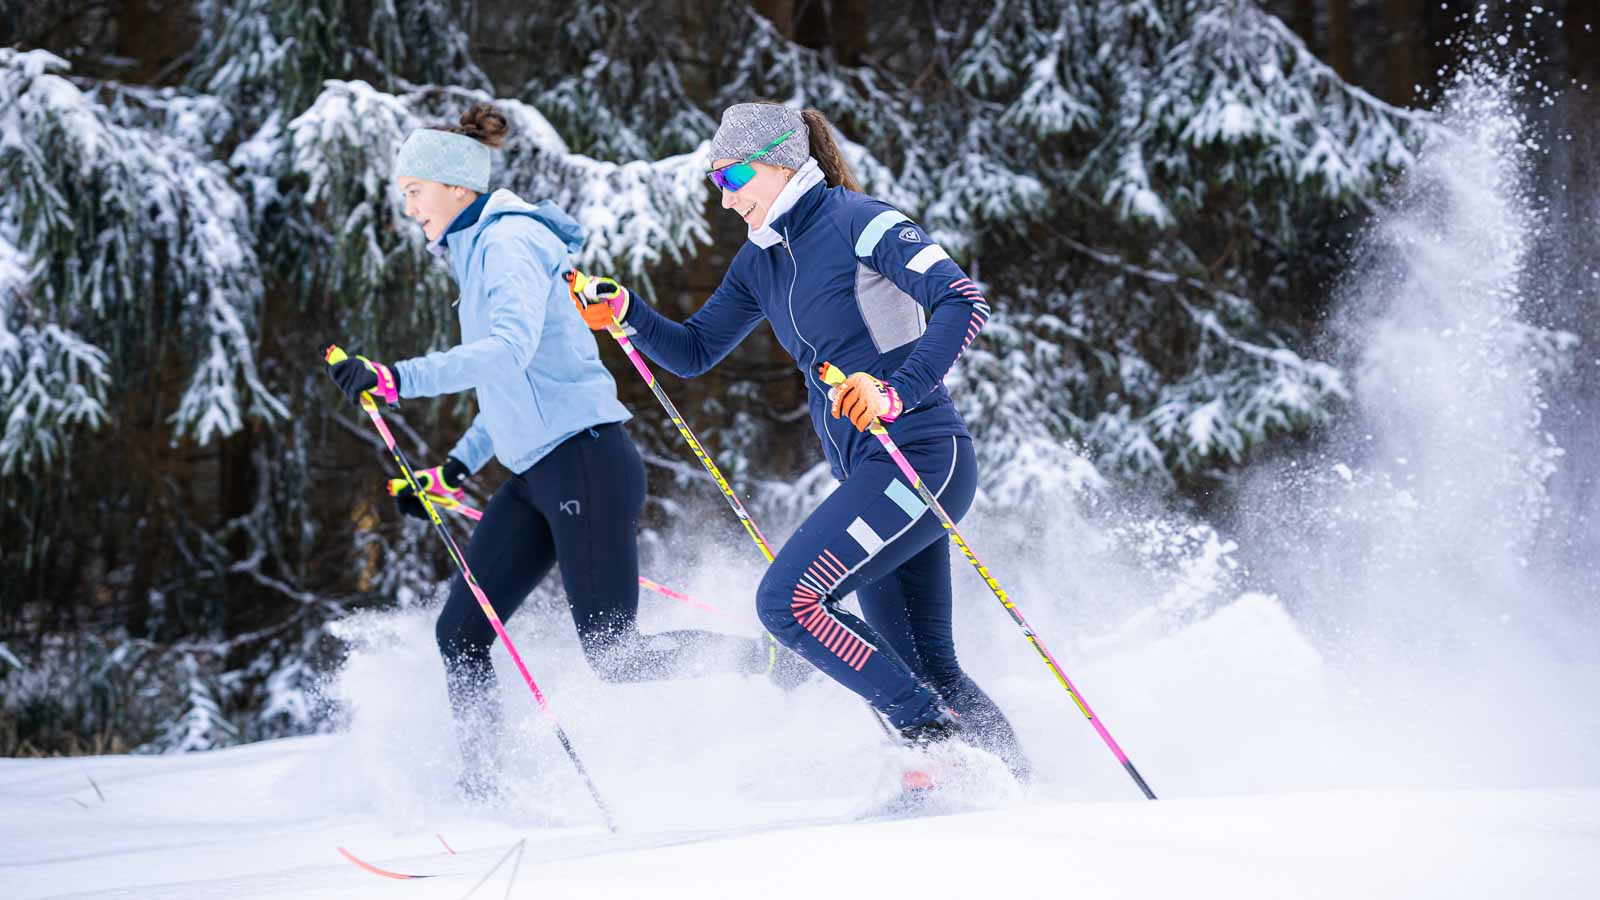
(335, 355)
(833, 377)
(396, 485)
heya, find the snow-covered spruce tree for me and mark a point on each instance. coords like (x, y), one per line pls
(199, 723)
(1216, 144)
(607, 75)
(131, 295)
(131, 307)
(269, 57)
(1137, 185)
(418, 42)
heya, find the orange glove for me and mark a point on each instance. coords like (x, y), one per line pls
(601, 301)
(862, 398)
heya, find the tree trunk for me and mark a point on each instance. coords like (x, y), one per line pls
(1402, 21)
(1303, 19)
(850, 30)
(779, 12)
(1341, 43)
(160, 36)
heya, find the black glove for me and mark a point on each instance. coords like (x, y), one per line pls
(358, 375)
(443, 482)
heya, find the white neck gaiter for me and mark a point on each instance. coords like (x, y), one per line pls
(805, 178)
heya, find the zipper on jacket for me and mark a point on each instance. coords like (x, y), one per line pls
(811, 370)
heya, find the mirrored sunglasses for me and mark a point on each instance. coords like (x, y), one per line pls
(734, 176)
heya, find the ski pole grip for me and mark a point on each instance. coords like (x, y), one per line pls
(335, 355)
(830, 374)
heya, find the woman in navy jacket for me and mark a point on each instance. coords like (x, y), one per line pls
(846, 279)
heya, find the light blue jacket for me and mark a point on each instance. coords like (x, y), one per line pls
(524, 348)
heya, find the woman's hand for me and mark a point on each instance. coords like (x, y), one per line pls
(444, 482)
(601, 301)
(862, 398)
(357, 375)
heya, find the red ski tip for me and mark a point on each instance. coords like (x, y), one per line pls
(916, 781)
(374, 869)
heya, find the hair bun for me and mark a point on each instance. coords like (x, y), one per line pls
(485, 123)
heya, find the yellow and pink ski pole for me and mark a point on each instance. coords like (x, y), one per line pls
(831, 375)
(336, 355)
(575, 283)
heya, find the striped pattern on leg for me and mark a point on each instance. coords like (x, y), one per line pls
(811, 611)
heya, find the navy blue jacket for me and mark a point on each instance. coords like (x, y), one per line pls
(854, 283)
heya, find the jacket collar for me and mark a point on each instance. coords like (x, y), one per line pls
(504, 203)
(793, 205)
(468, 217)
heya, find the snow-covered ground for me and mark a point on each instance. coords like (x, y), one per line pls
(1274, 783)
(238, 823)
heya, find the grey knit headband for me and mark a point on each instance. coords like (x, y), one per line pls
(747, 127)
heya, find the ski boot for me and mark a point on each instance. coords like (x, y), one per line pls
(943, 727)
(924, 736)
(482, 790)
(920, 780)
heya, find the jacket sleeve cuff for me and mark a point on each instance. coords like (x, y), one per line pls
(896, 407)
(475, 446)
(405, 378)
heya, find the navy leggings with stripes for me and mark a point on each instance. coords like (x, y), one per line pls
(875, 536)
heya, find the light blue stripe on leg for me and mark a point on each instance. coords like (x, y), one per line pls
(902, 495)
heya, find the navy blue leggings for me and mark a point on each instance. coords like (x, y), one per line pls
(875, 536)
(579, 507)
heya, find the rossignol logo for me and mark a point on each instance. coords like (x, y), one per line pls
(909, 235)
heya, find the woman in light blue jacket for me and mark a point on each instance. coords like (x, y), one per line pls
(548, 411)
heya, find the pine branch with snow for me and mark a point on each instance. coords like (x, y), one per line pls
(102, 208)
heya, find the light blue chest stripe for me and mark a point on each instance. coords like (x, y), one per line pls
(875, 229)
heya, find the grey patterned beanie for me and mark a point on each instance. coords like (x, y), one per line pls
(445, 157)
(747, 127)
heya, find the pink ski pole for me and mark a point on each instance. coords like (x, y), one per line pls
(476, 515)
(336, 355)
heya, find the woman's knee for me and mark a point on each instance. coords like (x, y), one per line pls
(775, 600)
